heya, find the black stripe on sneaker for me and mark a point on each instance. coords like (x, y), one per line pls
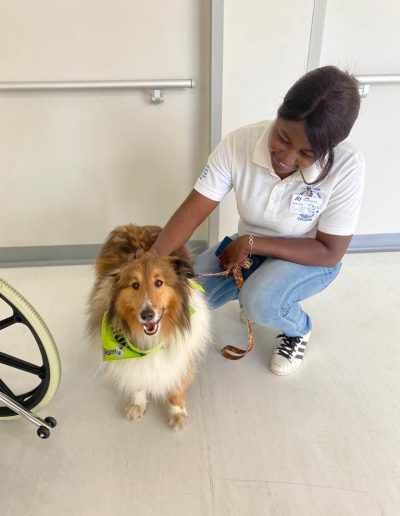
(284, 354)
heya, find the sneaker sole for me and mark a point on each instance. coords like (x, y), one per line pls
(279, 373)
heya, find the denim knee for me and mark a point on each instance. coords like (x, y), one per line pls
(261, 310)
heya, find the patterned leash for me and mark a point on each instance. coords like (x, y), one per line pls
(232, 352)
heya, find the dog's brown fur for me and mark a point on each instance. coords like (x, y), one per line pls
(123, 243)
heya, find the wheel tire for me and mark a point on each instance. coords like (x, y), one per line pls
(37, 326)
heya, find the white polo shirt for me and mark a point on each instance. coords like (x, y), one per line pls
(270, 206)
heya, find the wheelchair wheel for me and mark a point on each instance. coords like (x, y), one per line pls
(37, 379)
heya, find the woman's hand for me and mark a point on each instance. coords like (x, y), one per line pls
(235, 253)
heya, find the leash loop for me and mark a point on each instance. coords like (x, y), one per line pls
(232, 352)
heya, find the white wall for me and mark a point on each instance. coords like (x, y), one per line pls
(363, 36)
(73, 165)
(265, 51)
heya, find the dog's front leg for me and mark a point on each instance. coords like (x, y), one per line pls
(177, 410)
(137, 407)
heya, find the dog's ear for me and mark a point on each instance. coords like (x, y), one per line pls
(182, 267)
(114, 273)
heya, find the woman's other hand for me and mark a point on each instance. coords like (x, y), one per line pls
(235, 253)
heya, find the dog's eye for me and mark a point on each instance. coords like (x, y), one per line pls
(135, 285)
(158, 283)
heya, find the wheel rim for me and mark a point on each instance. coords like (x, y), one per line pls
(33, 397)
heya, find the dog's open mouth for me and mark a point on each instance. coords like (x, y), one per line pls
(151, 328)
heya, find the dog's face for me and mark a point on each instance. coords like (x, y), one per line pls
(151, 295)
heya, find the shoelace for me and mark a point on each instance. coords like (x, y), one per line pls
(288, 346)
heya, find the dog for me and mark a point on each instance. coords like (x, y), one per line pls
(152, 318)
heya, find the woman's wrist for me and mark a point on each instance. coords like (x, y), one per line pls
(247, 243)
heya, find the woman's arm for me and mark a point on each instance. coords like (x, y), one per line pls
(190, 214)
(324, 251)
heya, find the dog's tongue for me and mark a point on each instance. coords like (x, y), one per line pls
(150, 325)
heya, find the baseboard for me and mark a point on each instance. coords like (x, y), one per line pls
(375, 243)
(48, 255)
(40, 256)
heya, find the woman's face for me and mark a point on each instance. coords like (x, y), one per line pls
(289, 147)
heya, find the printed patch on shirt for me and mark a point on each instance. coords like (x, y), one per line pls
(206, 170)
(307, 203)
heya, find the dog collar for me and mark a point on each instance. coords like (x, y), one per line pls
(117, 347)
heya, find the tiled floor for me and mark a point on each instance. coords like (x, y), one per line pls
(324, 441)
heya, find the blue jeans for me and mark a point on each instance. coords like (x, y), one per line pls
(271, 295)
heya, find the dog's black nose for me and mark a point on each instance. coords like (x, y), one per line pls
(147, 315)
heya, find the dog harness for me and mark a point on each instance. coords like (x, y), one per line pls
(117, 347)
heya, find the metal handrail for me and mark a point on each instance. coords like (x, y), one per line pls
(366, 80)
(378, 79)
(97, 85)
(156, 86)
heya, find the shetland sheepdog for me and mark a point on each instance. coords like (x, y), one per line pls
(151, 318)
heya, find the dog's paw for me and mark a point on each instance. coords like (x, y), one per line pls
(178, 421)
(135, 411)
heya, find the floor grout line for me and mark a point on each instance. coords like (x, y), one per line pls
(249, 480)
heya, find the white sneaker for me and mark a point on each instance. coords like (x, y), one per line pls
(289, 354)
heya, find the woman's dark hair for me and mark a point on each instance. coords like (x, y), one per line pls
(327, 101)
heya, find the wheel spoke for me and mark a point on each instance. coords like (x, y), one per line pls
(18, 363)
(13, 319)
(6, 390)
(19, 398)
(22, 398)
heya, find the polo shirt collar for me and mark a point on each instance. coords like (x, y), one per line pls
(262, 157)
